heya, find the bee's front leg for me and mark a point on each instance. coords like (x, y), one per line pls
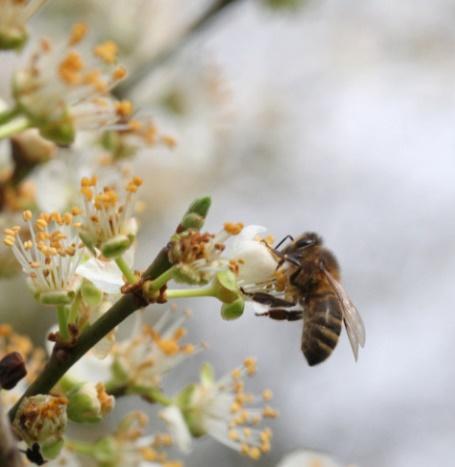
(267, 299)
(282, 314)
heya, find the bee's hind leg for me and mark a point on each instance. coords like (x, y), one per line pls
(282, 314)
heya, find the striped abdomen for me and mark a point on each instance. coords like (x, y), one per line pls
(322, 326)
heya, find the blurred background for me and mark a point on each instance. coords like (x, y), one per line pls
(336, 117)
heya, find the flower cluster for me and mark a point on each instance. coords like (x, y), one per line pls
(127, 446)
(42, 419)
(49, 254)
(141, 361)
(13, 21)
(223, 410)
(60, 90)
(107, 221)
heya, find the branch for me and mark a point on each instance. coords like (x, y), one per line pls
(62, 360)
(212, 12)
(9, 454)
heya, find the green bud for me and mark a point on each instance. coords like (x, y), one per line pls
(200, 206)
(106, 451)
(231, 311)
(52, 449)
(116, 246)
(90, 294)
(13, 39)
(207, 373)
(87, 242)
(89, 403)
(185, 274)
(192, 221)
(61, 132)
(56, 298)
(119, 375)
(195, 215)
(191, 416)
(183, 399)
(225, 287)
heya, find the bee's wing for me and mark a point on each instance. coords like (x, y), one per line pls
(351, 317)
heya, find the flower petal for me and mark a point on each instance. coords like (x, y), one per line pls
(306, 458)
(178, 427)
(104, 274)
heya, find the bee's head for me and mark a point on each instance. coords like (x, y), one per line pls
(306, 240)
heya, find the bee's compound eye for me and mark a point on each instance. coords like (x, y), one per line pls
(307, 240)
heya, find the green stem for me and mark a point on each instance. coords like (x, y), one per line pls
(161, 280)
(57, 366)
(81, 447)
(191, 293)
(212, 12)
(62, 315)
(9, 114)
(126, 271)
(14, 126)
(153, 394)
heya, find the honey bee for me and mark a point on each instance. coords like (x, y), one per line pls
(313, 290)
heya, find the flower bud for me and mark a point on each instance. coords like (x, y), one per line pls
(89, 403)
(32, 147)
(116, 246)
(225, 287)
(91, 294)
(192, 221)
(12, 38)
(231, 311)
(42, 419)
(12, 370)
(55, 298)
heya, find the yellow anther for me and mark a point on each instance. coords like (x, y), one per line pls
(134, 125)
(41, 224)
(75, 211)
(34, 264)
(254, 453)
(70, 68)
(124, 108)
(168, 346)
(265, 446)
(250, 365)
(267, 394)
(169, 141)
(107, 51)
(233, 435)
(269, 412)
(188, 348)
(236, 373)
(119, 73)
(233, 228)
(179, 333)
(10, 232)
(235, 407)
(9, 240)
(28, 245)
(247, 432)
(87, 193)
(67, 218)
(149, 454)
(78, 32)
(244, 448)
(27, 215)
